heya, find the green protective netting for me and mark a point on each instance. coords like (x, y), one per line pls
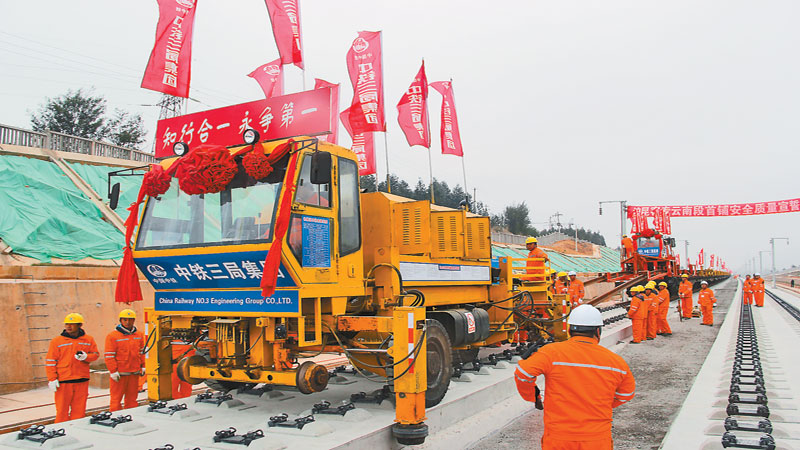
(607, 262)
(97, 177)
(43, 215)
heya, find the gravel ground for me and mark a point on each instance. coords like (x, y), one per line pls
(664, 370)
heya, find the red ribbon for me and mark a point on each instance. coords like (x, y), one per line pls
(269, 278)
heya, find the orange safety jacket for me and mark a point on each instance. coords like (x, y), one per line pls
(639, 307)
(576, 291)
(123, 351)
(583, 383)
(561, 287)
(534, 266)
(60, 363)
(653, 302)
(628, 244)
(685, 289)
(663, 300)
(706, 297)
(757, 285)
(747, 287)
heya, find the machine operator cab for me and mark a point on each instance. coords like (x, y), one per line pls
(195, 247)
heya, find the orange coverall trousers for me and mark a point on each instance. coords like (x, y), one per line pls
(759, 296)
(639, 329)
(663, 325)
(71, 401)
(748, 297)
(128, 388)
(652, 324)
(548, 443)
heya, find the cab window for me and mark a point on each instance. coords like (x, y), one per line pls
(349, 216)
(308, 193)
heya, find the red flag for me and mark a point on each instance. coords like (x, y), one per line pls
(412, 111)
(711, 263)
(451, 137)
(363, 146)
(319, 84)
(366, 74)
(701, 258)
(169, 67)
(285, 17)
(270, 77)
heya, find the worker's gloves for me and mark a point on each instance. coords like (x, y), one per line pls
(53, 385)
(538, 403)
(115, 376)
(81, 355)
(142, 371)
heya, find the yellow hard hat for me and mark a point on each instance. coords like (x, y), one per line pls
(684, 275)
(127, 314)
(650, 285)
(637, 288)
(531, 240)
(73, 318)
(562, 274)
(663, 283)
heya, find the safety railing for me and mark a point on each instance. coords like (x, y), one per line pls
(66, 143)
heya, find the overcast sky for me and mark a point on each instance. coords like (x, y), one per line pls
(561, 104)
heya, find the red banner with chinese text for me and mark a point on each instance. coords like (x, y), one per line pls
(451, 137)
(333, 138)
(363, 146)
(366, 74)
(169, 69)
(735, 209)
(305, 113)
(412, 111)
(701, 258)
(270, 77)
(285, 18)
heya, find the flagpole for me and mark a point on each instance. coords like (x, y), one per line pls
(463, 166)
(430, 166)
(386, 131)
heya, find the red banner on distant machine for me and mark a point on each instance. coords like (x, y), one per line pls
(366, 74)
(169, 68)
(735, 209)
(285, 17)
(270, 78)
(451, 137)
(333, 138)
(305, 113)
(363, 146)
(412, 111)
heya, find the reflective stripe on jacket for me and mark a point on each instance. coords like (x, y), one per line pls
(576, 291)
(639, 307)
(685, 289)
(583, 383)
(706, 297)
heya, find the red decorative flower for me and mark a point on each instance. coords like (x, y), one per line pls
(206, 170)
(256, 164)
(156, 181)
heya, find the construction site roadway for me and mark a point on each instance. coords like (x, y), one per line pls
(665, 371)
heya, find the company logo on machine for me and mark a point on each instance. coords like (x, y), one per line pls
(648, 251)
(360, 45)
(156, 270)
(470, 322)
(283, 301)
(241, 270)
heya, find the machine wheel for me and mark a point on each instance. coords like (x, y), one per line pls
(183, 368)
(225, 385)
(439, 360)
(465, 356)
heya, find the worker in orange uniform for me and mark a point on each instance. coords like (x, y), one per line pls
(180, 350)
(562, 283)
(706, 300)
(638, 314)
(125, 361)
(627, 244)
(652, 310)
(758, 289)
(67, 367)
(747, 290)
(663, 309)
(583, 381)
(575, 290)
(535, 267)
(685, 293)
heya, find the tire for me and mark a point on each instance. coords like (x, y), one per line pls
(439, 361)
(225, 386)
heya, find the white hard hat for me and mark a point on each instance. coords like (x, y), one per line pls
(585, 316)
(572, 272)
(704, 282)
(757, 274)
